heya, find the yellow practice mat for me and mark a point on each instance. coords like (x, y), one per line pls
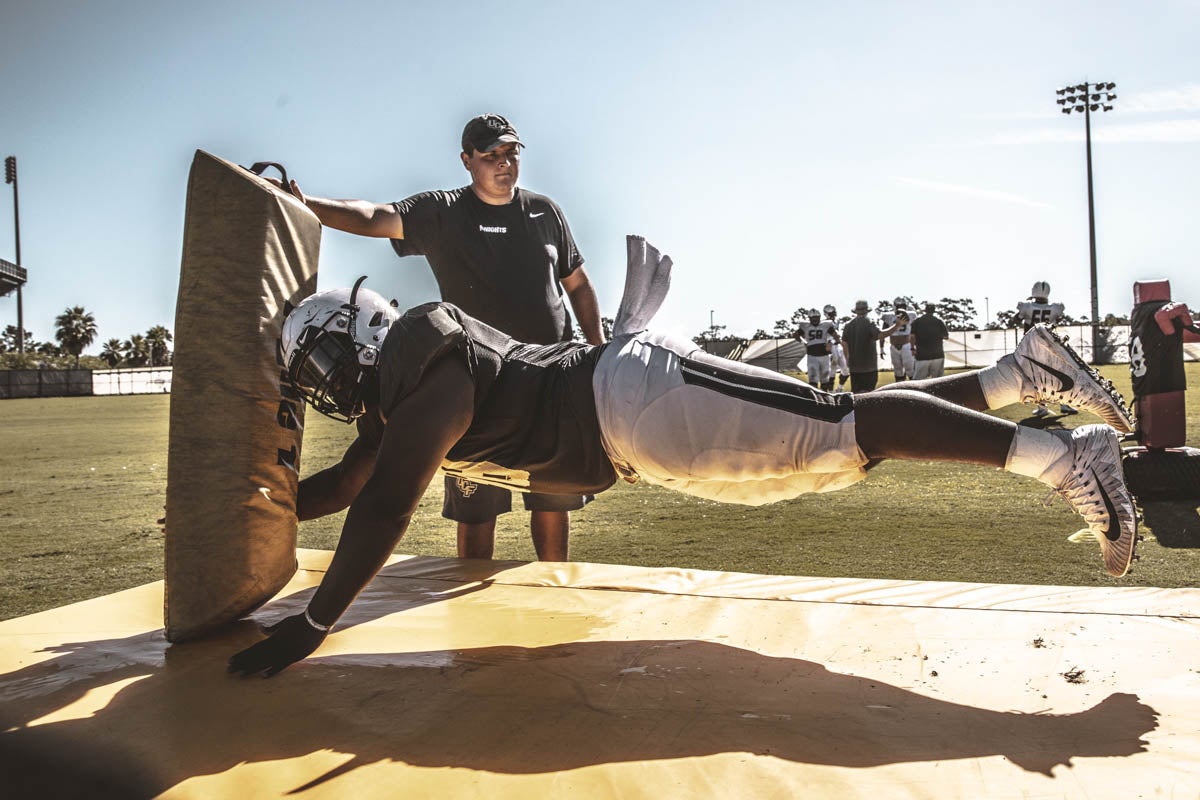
(454, 679)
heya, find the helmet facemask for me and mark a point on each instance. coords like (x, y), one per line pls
(329, 349)
(326, 371)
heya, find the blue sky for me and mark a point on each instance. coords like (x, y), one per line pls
(785, 154)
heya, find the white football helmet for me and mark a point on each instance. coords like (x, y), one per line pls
(1040, 291)
(814, 317)
(330, 342)
(830, 312)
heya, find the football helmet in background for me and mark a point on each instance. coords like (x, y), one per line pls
(1040, 291)
(830, 312)
(330, 341)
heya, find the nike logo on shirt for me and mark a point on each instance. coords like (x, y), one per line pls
(535, 216)
(1067, 383)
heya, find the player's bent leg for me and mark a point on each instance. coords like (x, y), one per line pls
(907, 424)
(1044, 369)
(1083, 466)
(962, 389)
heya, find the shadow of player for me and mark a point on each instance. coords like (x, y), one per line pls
(505, 709)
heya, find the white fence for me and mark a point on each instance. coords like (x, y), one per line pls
(137, 380)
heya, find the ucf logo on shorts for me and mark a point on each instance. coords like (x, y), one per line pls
(466, 487)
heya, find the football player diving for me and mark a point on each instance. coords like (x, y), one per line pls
(434, 389)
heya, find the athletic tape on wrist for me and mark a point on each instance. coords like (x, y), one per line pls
(314, 624)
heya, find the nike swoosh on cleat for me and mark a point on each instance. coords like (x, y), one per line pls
(1067, 382)
(1113, 531)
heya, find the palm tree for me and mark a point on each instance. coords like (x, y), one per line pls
(137, 350)
(156, 339)
(111, 354)
(75, 329)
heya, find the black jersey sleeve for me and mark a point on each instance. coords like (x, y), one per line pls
(423, 220)
(573, 259)
(419, 339)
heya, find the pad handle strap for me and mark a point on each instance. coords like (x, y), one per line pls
(259, 167)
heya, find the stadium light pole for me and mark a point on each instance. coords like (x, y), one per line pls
(10, 176)
(1086, 98)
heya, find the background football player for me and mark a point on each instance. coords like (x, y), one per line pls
(903, 360)
(1038, 310)
(837, 358)
(820, 338)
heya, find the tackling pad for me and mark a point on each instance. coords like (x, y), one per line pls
(235, 427)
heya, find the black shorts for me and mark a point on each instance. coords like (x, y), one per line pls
(468, 501)
(863, 381)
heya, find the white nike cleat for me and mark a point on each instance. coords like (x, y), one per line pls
(1051, 372)
(1095, 488)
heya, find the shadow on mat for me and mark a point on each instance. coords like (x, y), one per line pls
(504, 709)
(1174, 523)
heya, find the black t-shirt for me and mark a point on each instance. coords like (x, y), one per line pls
(861, 338)
(500, 264)
(535, 425)
(930, 332)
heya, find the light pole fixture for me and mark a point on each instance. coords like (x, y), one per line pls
(12, 276)
(1085, 98)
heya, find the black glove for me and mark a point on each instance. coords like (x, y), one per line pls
(289, 640)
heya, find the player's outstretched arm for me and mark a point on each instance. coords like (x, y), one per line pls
(421, 429)
(334, 488)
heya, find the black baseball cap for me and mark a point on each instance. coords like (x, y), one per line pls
(487, 132)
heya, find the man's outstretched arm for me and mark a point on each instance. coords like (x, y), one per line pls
(334, 488)
(360, 217)
(421, 429)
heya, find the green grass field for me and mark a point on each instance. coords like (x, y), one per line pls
(84, 481)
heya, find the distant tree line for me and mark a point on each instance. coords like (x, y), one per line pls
(74, 331)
